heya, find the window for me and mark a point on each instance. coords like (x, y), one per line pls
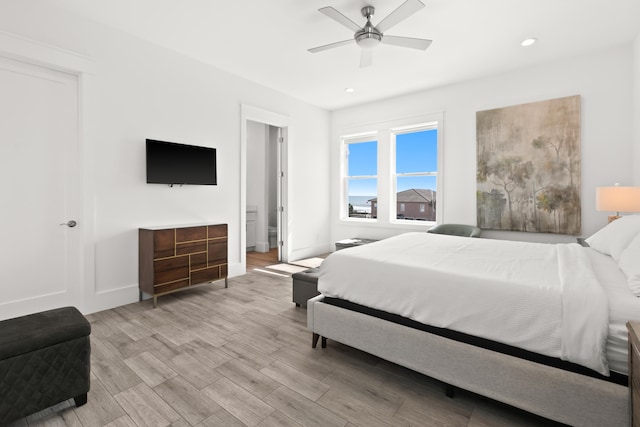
(361, 180)
(416, 173)
(389, 172)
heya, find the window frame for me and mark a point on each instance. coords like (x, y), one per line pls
(394, 194)
(345, 141)
(383, 132)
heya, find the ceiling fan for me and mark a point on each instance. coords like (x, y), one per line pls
(370, 36)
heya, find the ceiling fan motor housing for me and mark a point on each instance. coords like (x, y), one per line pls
(369, 36)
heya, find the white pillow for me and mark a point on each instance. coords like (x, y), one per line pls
(630, 264)
(616, 236)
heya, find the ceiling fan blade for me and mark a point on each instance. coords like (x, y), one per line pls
(411, 42)
(330, 46)
(403, 11)
(340, 18)
(366, 58)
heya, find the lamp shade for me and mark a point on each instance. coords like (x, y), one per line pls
(618, 199)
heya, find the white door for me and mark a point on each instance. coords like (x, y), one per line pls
(39, 171)
(281, 194)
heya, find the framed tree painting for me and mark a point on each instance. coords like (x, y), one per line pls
(528, 176)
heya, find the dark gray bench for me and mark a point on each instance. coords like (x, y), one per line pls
(44, 360)
(305, 286)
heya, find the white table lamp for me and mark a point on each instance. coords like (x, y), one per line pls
(618, 199)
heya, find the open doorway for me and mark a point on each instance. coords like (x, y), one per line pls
(264, 188)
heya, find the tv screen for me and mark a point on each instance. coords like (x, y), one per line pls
(171, 163)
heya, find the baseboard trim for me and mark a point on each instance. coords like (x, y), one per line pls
(105, 300)
(262, 247)
(112, 298)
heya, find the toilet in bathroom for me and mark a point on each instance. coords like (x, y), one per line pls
(273, 236)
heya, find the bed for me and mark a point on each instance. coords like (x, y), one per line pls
(537, 326)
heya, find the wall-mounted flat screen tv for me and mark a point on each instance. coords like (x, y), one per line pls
(172, 163)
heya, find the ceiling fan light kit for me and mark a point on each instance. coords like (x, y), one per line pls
(370, 36)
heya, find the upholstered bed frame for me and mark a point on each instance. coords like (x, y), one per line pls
(553, 393)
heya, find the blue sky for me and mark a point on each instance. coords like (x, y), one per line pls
(415, 152)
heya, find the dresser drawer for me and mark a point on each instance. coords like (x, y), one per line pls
(217, 252)
(164, 243)
(206, 275)
(198, 261)
(191, 247)
(189, 234)
(171, 269)
(217, 231)
(173, 286)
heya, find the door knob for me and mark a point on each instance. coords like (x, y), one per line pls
(70, 224)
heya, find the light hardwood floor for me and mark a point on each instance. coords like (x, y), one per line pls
(261, 259)
(242, 356)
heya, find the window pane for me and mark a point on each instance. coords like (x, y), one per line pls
(363, 158)
(362, 193)
(416, 198)
(417, 151)
(417, 182)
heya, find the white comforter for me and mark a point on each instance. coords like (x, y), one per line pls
(540, 297)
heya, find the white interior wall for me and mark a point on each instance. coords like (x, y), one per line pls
(603, 79)
(143, 91)
(308, 189)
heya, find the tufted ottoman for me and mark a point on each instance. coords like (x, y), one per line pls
(305, 286)
(44, 360)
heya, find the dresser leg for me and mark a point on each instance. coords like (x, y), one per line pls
(314, 342)
(226, 284)
(155, 301)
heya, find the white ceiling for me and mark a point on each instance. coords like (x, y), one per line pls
(266, 41)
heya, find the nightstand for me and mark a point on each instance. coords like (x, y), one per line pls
(634, 373)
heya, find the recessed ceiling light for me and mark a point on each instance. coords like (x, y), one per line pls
(529, 41)
(349, 90)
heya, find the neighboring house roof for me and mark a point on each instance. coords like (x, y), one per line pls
(413, 195)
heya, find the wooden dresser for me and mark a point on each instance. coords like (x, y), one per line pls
(176, 258)
(634, 372)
